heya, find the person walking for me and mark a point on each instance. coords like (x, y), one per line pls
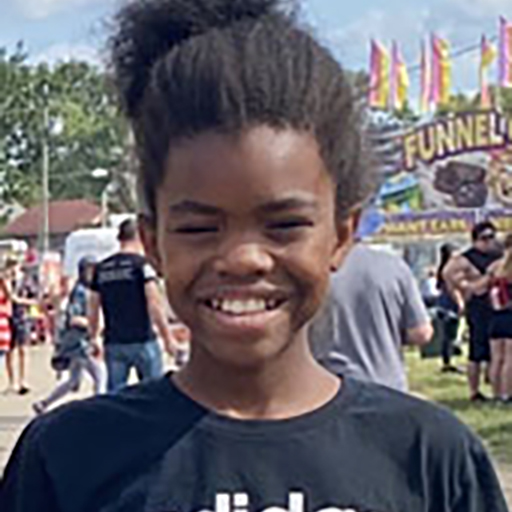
(125, 289)
(73, 349)
(467, 274)
(501, 325)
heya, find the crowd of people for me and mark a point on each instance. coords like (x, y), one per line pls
(374, 309)
(253, 170)
(103, 327)
(476, 285)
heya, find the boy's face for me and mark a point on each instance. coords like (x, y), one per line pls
(246, 238)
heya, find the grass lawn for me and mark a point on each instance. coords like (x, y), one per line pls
(493, 423)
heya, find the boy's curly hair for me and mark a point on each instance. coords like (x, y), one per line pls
(183, 67)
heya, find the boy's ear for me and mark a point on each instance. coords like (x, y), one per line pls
(346, 228)
(147, 232)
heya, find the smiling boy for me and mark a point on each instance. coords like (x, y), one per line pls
(252, 176)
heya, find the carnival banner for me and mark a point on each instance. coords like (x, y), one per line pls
(423, 224)
(441, 71)
(460, 162)
(379, 76)
(488, 54)
(399, 79)
(505, 52)
(439, 223)
(425, 80)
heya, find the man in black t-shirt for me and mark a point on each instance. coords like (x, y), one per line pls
(466, 274)
(125, 288)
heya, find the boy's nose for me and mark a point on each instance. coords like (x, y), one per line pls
(242, 260)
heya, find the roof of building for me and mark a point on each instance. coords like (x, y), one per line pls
(64, 217)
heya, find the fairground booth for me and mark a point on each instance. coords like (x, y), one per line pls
(446, 164)
(439, 178)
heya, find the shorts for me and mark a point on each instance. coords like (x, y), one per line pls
(479, 323)
(501, 325)
(20, 333)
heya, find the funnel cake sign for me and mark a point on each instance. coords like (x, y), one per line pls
(476, 131)
(440, 178)
(462, 161)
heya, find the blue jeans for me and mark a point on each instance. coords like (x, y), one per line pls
(146, 358)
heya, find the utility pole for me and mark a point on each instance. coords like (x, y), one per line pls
(45, 227)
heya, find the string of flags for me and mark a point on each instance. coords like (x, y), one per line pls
(389, 74)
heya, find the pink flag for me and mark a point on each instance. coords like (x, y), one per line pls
(399, 79)
(379, 76)
(425, 80)
(487, 57)
(505, 51)
(441, 71)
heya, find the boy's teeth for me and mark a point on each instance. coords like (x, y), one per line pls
(247, 306)
(238, 307)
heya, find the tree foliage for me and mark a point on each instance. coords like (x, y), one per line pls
(84, 130)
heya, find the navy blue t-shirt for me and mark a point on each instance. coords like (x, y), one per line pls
(150, 448)
(120, 281)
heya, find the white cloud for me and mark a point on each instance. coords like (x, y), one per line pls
(43, 8)
(477, 8)
(407, 27)
(65, 52)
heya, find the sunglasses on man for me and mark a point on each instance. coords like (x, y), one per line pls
(487, 236)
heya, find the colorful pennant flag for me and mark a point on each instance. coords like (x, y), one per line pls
(441, 71)
(505, 61)
(488, 54)
(399, 79)
(379, 76)
(425, 80)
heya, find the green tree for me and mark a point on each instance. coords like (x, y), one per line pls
(92, 134)
(504, 98)
(459, 103)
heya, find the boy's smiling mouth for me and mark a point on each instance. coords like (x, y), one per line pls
(239, 307)
(243, 310)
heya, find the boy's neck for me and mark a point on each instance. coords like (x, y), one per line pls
(291, 386)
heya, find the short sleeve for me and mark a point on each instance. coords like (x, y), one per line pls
(479, 488)
(26, 485)
(414, 311)
(148, 272)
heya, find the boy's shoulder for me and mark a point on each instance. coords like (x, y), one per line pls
(402, 417)
(143, 416)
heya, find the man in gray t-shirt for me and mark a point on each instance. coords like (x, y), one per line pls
(373, 308)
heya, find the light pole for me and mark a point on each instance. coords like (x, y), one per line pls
(45, 228)
(49, 128)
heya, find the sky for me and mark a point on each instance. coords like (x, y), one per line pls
(53, 30)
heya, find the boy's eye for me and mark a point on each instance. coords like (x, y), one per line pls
(284, 225)
(195, 230)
